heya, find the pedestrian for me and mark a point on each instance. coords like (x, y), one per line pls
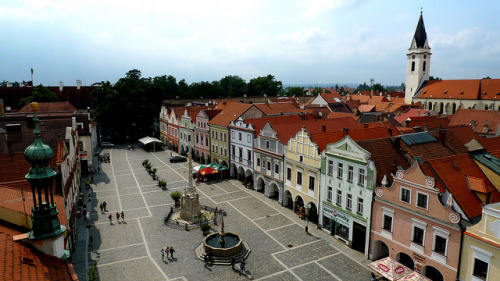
(242, 267)
(123, 216)
(110, 217)
(233, 262)
(162, 254)
(87, 216)
(205, 259)
(172, 252)
(84, 212)
(117, 217)
(100, 207)
(104, 205)
(166, 251)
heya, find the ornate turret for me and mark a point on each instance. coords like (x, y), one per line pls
(45, 223)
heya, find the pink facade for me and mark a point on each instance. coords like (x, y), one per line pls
(202, 137)
(411, 225)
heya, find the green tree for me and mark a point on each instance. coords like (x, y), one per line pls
(294, 91)
(265, 85)
(92, 271)
(39, 94)
(233, 86)
(434, 78)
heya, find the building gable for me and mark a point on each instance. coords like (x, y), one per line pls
(348, 148)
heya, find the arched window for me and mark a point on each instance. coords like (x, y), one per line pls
(486, 107)
(423, 67)
(454, 108)
(412, 66)
(430, 106)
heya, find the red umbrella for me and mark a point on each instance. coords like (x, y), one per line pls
(207, 171)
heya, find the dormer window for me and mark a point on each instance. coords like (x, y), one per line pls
(445, 92)
(462, 92)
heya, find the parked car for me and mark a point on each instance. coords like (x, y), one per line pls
(107, 144)
(177, 159)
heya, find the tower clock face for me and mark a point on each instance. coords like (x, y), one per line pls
(413, 57)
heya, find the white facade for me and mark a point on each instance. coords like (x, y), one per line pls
(241, 149)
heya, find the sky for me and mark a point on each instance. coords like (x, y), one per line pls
(297, 41)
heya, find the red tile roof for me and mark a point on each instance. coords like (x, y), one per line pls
(323, 139)
(455, 89)
(62, 106)
(490, 89)
(479, 185)
(230, 113)
(332, 97)
(452, 172)
(366, 108)
(333, 115)
(490, 143)
(432, 122)
(385, 157)
(45, 267)
(11, 198)
(277, 108)
(481, 117)
(412, 112)
(13, 166)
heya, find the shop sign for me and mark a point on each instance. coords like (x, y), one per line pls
(336, 215)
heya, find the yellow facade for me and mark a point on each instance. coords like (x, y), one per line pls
(219, 144)
(480, 258)
(302, 156)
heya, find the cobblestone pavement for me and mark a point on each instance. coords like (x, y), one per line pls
(130, 250)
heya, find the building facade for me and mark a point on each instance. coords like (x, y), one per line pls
(241, 162)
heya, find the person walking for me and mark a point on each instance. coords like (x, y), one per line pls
(205, 259)
(172, 252)
(123, 216)
(117, 217)
(233, 262)
(100, 207)
(242, 267)
(166, 251)
(162, 254)
(110, 217)
(104, 205)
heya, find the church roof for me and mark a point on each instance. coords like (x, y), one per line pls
(420, 35)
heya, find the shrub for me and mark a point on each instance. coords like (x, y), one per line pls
(205, 227)
(176, 195)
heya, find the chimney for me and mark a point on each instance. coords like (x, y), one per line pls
(474, 125)
(394, 168)
(417, 129)
(442, 135)
(389, 131)
(2, 111)
(78, 84)
(73, 123)
(485, 128)
(345, 131)
(396, 143)
(426, 127)
(61, 86)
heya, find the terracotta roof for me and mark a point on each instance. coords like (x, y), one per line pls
(324, 110)
(230, 113)
(481, 117)
(490, 143)
(61, 106)
(464, 133)
(366, 108)
(455, 89)
(14, 167)
(333, 115)
(432, 122)
(385, 157)
(490, 89)
(212, 113)
(452, 172)
(332, 97)
(45, 267)
(322, 139)
(413, 112)
(293, 101)
(11, 198)
(398, 99)
(433, 149)
(361, 98)
(479, 185)
(277, 108)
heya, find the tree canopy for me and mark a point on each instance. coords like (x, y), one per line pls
(39, 94)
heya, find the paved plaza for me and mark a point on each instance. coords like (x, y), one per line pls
(130, 250)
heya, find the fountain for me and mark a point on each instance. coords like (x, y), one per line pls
(222, 244)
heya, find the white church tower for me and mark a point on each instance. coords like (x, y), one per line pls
(419, 61)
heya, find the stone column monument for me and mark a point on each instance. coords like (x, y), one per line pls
(190, 204)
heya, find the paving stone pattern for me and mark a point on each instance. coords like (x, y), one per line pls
(130, 250)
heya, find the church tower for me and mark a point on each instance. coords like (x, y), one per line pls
(418, 61)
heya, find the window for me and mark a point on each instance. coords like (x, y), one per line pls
(249, 139)
(349, 202)
(249, 156)
(405, 195)
(289, 173)
(267, 144)
(276, 168)
(387, 223)
(350, 173)
(233, 150)
(299, 178)
(232, 135)
(481, 263)
(258, 162)
(269, 165)
(412, 66)
(339, 197)
(440, 245)
(340, 170)
(361, 179)
(311, 183)
(422, 200)
(329, 194)
(360, 206)
(480, 269)
(330, 167)
(424, 65)
(239, 136)
(418, 235)
(301, 158)
(241, 153)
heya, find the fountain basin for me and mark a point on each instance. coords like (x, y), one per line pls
(233, 245)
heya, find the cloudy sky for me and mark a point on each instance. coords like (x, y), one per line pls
(297, 41)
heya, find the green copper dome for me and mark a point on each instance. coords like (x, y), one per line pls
(39, 155)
